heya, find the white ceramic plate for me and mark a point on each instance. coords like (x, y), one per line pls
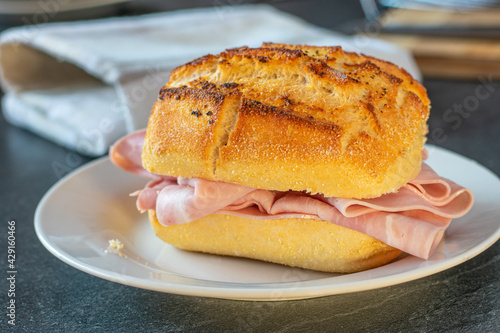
(82, 212)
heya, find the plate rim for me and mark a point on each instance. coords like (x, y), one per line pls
(258, 291)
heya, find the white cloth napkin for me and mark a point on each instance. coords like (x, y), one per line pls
(85, 84)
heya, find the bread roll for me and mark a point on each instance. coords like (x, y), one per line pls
(305, 243)
(283, 117)
(280, 117)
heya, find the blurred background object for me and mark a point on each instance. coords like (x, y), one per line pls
(450, 39)
(19, 12)
(22, 12)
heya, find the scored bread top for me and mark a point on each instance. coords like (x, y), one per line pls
(290, 117)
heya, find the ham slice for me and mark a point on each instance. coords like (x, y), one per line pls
(126, 153)
(413, 219)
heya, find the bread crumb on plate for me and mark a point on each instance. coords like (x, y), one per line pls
(115, 246)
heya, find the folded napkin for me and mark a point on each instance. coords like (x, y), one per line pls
(85, 84)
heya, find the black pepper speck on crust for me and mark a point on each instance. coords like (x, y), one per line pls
(196, 113)
(229, 85)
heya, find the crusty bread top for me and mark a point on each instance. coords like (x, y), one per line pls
(298, 117)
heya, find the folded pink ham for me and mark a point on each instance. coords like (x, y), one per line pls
(413, 219)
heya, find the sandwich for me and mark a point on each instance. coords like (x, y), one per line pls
(305, 156)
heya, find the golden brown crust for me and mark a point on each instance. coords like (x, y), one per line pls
(291, 117)
(305, 243)
(185, 130)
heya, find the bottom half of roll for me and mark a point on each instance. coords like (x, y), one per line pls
(305, 243)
